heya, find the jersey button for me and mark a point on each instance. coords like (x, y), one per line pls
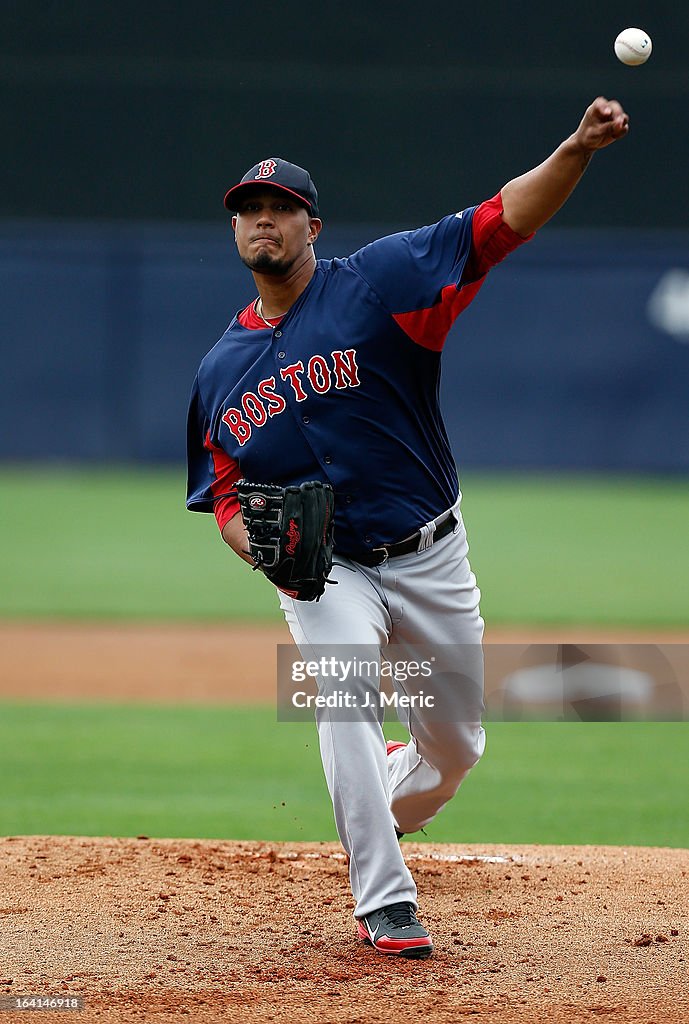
(278, 334)
(348, 499)
(327, 460)
(306, 419)
(281, 355)
(368, 538)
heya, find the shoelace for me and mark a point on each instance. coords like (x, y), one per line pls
(400, 915)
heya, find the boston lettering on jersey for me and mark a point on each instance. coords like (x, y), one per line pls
(257, 407)
(345, 389)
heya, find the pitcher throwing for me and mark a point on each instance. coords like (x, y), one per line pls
(330, 375)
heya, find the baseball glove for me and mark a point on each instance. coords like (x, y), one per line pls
(290, 534)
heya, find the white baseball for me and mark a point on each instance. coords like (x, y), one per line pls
(633, 46)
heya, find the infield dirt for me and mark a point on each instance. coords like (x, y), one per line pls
(255, 932)
(178, 662)
(223, 931)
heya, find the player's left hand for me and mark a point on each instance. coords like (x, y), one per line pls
(290, 531)
(604, 122)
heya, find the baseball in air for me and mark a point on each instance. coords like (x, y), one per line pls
(633, 46)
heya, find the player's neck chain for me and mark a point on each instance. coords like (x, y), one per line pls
(258, 310)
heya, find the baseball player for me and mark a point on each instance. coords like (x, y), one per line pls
(331, 374)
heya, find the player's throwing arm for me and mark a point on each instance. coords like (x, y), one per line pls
(532, 199)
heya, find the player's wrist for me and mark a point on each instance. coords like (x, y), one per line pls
(577, 148)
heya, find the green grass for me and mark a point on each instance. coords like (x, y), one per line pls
(582, 549)
(226, 772)
(119, 544)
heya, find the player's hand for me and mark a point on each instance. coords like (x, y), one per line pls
(604, 122)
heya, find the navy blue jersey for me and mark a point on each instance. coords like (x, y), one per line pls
(344, 389)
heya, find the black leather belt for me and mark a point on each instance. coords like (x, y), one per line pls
(405, 547)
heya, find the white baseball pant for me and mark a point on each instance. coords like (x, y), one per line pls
(428, 597)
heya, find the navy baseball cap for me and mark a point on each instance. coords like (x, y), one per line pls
(278, 174)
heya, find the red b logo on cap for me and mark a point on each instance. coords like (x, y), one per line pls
(266, 169)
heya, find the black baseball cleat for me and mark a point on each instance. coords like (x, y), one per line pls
(396, 931)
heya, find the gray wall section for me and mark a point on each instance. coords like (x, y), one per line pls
(556, 364)
(401, 111)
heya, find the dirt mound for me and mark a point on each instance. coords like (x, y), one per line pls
(222, 931)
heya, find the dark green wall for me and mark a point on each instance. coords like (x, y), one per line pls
(401, 111)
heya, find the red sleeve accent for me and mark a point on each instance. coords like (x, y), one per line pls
(224, 510)
(227, 473)
(492, 239)
(430, 327)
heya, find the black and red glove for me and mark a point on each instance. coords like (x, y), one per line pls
(290, 534)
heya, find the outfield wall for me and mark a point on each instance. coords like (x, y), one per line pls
(127, 111)
(575, 354)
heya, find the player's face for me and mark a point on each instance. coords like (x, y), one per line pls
(273, 232)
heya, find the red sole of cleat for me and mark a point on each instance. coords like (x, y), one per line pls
(419, 952)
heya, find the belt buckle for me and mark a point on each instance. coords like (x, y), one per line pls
(382, 551)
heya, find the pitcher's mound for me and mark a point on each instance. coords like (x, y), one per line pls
(231, 931)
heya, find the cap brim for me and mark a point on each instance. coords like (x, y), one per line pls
(235, 196)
